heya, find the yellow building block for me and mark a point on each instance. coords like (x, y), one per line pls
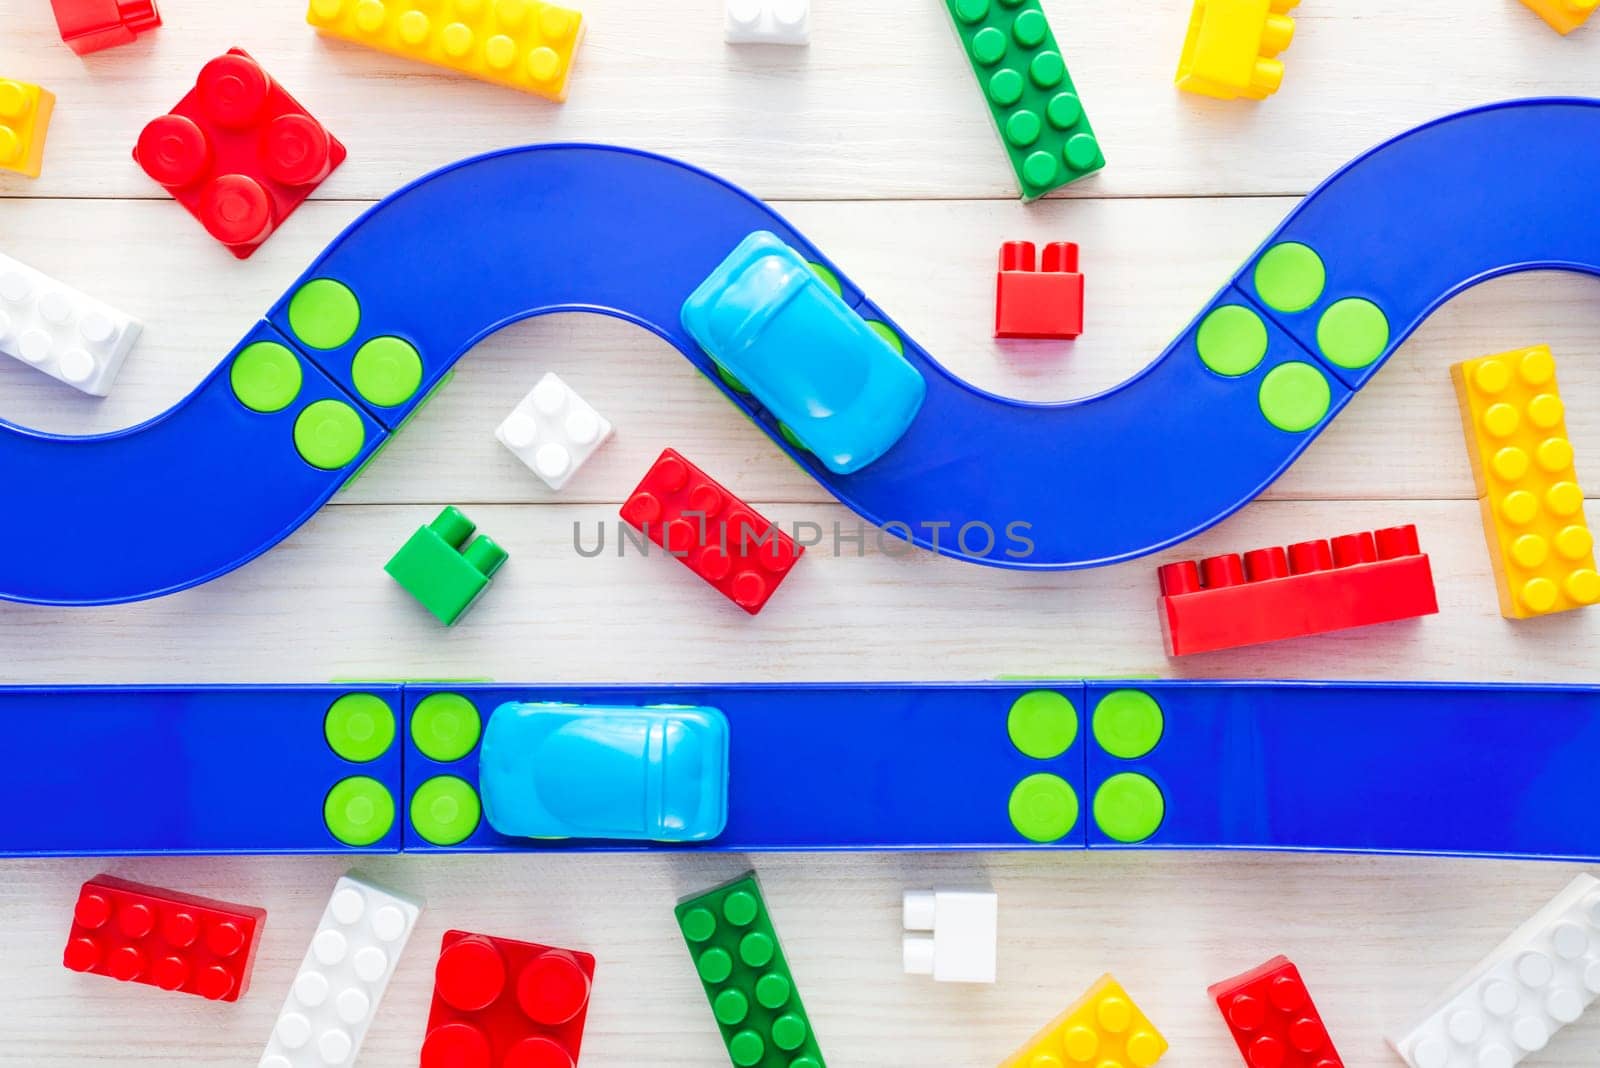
(24, 121)
(1564, 15)
(1102, 1029)
(1229, 50)
(524, 44)
(1516, 429)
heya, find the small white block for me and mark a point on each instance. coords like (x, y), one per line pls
(60, 331)
(965, 925)
(1513, 1002)
(784, 22)
(336, 993)
(553, 431)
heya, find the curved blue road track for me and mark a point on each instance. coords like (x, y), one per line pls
(463, 252)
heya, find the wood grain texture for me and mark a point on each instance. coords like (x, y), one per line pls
(876, 143)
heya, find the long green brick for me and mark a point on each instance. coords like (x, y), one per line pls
(1030, 93)
(741, 964)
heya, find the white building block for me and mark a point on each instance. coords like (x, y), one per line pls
(785, 22)
(60, 331)
(963, 925)
(553, 431)
(343, 977)
(1510, 1005)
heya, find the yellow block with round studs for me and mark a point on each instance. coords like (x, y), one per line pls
(523, 44)
(1102, 1029)
(1516, 428)
(24, 120)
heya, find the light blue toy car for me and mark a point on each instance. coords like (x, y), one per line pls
(604, 771)
(839, 387)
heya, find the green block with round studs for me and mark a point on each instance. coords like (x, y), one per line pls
(740, 963)
(1029, 91)
(445, 567)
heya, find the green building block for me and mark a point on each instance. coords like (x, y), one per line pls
(438, 567)
(747, 980)
(1035, 107)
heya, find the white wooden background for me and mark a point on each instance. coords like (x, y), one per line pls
(874, 141)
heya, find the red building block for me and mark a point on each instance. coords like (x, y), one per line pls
(1273, 1018)
(1312, 587)
(719, 537)
(90, 25)
(499, 1003)
(239, 152)
(1046, 302)
(143, 934)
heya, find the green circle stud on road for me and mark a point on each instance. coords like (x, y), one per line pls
(324, 314)
(445, 810)
(329, 434)
(1127, 723)
(1042, 724)
(829, 279)
(1295, 396)
(358, 810)
(1232, 340)
(359, 727)
(1353, 332)
(1043, 808)
(387, 371)
(1128, 807)
(1290, 277)
(885, 331)
(266, 377)
(445, 726)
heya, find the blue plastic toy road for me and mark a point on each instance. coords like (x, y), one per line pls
(459, 254)
(1461, 769)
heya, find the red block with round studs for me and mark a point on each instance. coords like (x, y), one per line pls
(500, 1003)
(239, 152)
(1273, 1018)
(716, 535)
(90, 25)
(1038, 295)
(144, 934)
(1311, 587)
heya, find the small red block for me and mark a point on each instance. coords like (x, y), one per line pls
(1311, 587)
(500, 1003)
(716, 535)
(1038, 299)
(144, 934)
(91, 25)
(1273, 1019)
(239, 152)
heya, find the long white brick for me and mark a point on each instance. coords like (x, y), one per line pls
(60, 331)
(1507, 1008)
(343, 977)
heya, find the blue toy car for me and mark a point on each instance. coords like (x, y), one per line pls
(601, 771)
(839, 387)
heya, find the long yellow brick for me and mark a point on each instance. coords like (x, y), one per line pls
(1516, 429)
(523, 44)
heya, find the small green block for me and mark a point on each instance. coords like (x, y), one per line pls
(440, 567)
(1029, 91)
(746, 977)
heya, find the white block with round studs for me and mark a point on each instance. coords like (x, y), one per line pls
(1509, 1007)
(335, 995)
(783, 22)
(553, 431)
(60, 331)
(960, 943)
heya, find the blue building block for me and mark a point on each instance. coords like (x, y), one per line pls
(656, 773)
(200, 769)
(1457, 769)
(767, 319)
(423, 276)
(1477, 770)
(811, 767)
